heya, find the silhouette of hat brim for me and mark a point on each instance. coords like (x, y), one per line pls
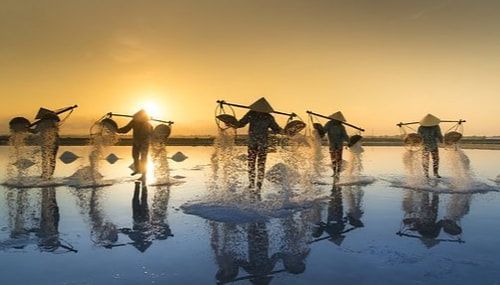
(337, 116)
(430, 121)
(262, 105)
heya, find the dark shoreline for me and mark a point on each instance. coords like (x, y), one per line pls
(466, 143)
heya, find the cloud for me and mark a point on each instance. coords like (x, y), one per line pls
(128, 49)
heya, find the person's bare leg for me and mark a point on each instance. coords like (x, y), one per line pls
(52, 162)
(144, 160)
(338, 159)
(333, 160)
(135, 156)
(252, 157)
(435, 162)
(261, 166)
(425, 162)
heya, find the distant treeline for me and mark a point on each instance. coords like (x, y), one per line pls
(466, 142)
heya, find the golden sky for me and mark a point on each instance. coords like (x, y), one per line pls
(380, 62)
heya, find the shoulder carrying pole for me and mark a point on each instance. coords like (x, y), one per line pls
(110, 114)
(328, 118)
(222, 102)
(442, 121)
(57, 113)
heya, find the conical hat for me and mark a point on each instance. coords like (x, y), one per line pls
(42, 112)
(141, 116)
(261, 105)
(429, 121)
(338, 116)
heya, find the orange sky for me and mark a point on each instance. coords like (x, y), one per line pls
(380, 62)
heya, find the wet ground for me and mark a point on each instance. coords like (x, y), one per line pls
(354, 234)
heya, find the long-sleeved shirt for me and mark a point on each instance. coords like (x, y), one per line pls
(141, 131)
(260, 123)
(431, 136)
(337, 134)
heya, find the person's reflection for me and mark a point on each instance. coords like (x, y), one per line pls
(48, 232)
(421, 213)
(226, 240)
(39, 218)
(336, 223)
(103, 232)
(457, 208)
(354, 201)
(296, 242)
(160, 228)
(148, 226)
(140, 233)
(17, 203)
(259, 264)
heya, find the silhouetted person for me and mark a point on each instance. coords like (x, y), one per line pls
(337, 135)
(431, 135)
(48, 131)
(260, 121)
(142, 131)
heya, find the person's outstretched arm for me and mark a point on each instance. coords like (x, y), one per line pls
(126, 128)
(439, 135)
(245, 120)
(345, 136)
(275, 127)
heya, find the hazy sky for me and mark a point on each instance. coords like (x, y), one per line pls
(380, 62)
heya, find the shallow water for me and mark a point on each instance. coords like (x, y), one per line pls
(65, 235)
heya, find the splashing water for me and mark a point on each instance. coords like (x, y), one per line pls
(412, 160)
(90, 175)
(228, 165)
(300, 171)
(48, 140)
(161, 166)
(316, 152)
(286, 189)
(462, 177)
(21, 157)
(354, 163)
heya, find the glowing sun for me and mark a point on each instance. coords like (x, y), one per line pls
(152, 108)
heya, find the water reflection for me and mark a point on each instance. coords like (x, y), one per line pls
(339, 222)
(258, 249)
(147, 226)
(34, 219)
(103, 232)
(421, 219)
